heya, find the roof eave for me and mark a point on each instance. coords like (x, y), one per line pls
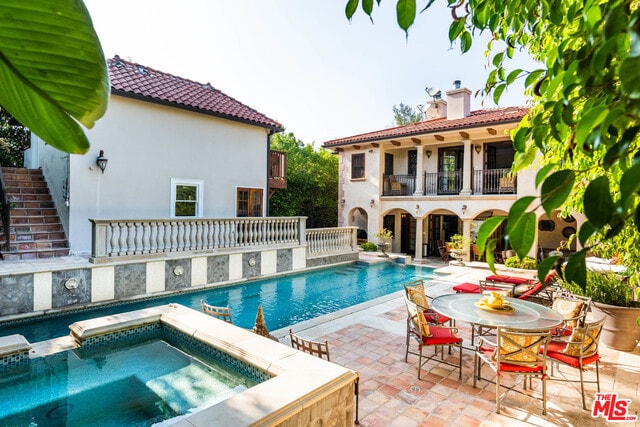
(427, 132)
(153, 100)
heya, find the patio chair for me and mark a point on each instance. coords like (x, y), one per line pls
(315, 348)
(222, 313)
(580, 350)
(477, 256)
(321, 350)
(414, 291)
(430, 335)
(515, 352)
(574, 309)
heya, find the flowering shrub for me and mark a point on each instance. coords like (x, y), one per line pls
(384, 233)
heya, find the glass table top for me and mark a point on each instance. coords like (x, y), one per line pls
(525, 315)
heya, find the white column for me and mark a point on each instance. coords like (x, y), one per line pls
(419, 190)
(466, 168)
(466, 232)
(419, 223)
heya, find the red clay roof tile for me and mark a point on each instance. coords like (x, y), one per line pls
(476, 118)
(131, 79)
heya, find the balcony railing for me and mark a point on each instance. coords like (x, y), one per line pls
(442, 183)
(494, 181)
(487, 181)
(398, 185)
(277, 169)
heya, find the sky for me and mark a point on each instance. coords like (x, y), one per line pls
(299, 62)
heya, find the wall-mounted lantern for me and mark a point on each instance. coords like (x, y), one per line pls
(102, 161)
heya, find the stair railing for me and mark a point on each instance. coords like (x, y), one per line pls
(6, 213)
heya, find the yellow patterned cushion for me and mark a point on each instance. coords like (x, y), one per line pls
(418, 297)
(573, 348)
(569, 310)
(422, 324)
(511, 349)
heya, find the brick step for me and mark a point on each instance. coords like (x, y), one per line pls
(32, 236)
(34, 228)
(26, 190)
(25, 184)
(11, 177)
(32, 204)
(21, 220)
(34, 254)
(16, 212)
(25, 197)
(37, 245)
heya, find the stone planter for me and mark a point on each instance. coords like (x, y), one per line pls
(458, 255)
(621, 330)
(384, 244)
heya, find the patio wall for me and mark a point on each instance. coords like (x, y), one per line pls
(73, 286)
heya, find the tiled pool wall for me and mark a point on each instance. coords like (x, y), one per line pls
(176, 338)
(38, 292)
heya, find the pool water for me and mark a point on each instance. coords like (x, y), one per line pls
(138, 384)
(285, 300)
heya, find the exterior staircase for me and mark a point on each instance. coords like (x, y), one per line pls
(35, 228)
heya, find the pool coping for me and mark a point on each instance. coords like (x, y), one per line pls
(299, 380)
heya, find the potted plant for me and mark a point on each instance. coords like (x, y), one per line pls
(616, 299)
(458, 247)
(384, 236)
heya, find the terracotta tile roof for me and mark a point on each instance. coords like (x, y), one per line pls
(475, 119)
(138, 81)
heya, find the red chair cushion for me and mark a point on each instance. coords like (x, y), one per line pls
(467, 288)
(534, 290)
(507, 279)
(554, 349)
(439, 336)
(508, 367)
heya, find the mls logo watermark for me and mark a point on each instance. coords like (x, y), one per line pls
(612, 408)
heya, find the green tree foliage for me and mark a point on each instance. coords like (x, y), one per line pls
(312, 183)
(53, 75)
(14, 139)
(582, 133)
(404, 114)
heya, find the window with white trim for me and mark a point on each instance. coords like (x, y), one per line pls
(186, 197)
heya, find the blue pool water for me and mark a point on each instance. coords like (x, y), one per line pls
(140, 384)
(285, 300)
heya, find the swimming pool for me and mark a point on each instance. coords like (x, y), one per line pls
(139, 383)
(285, 299)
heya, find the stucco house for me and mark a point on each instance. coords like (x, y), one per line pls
(429, 180)
(173, 148)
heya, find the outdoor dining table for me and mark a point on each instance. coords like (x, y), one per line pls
(523, 315)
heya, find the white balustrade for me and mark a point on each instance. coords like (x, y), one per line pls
(128, 237)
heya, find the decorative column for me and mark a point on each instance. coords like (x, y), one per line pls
(466, 168)
(466, 232)
(419, 223)
(419, 190)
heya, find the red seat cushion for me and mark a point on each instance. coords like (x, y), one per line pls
(440, 336)
(532, 291)
(508, 367)
(496, 278)
(555, 349)
(467, 288)
(507, 279)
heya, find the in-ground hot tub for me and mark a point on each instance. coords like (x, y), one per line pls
(279, 385)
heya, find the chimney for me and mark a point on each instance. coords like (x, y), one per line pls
(437, 108)
(459, 101)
